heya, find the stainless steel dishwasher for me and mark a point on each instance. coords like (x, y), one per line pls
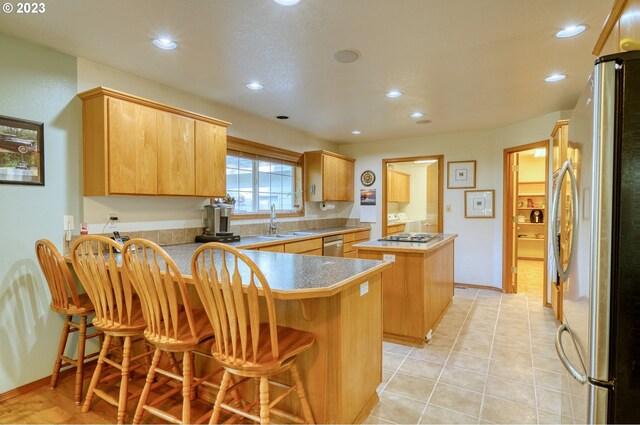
(332, 246)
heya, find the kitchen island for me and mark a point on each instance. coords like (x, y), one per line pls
(339, 300)
(417, 289)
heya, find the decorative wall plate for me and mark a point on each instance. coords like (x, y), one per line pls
(367, 178)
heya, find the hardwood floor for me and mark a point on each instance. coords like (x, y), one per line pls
(45, 406)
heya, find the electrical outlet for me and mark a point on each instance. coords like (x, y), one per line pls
(389, 257)
(364, 288)
(447, 208)
(68, 222)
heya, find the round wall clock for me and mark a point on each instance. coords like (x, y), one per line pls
(367, 178)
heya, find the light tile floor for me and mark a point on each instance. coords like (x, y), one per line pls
(491, 360)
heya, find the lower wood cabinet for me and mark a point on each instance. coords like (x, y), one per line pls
(314, 246)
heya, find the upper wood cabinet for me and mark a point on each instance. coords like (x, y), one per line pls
(134, 146)
(621, 31)
(328, 176)
(398, 186)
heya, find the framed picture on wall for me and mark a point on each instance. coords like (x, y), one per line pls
(479, 204)
(461, 174)
(21, 151)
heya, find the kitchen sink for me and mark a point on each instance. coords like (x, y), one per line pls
(278, 236)
(302, 233)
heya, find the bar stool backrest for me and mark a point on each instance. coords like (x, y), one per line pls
(64, 296)
(161, 288)
(219, 273)
(96, 262)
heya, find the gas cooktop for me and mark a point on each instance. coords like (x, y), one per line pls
(410, 237)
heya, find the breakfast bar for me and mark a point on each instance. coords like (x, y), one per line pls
(339, 300)
(418, 288)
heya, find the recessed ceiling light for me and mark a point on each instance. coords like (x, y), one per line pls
(346, 56)
(417, 115)
(164, 43)
(282, 117)
(394, 93)
(423, 122)
(555, 77)
(356, 132)
(287, 2)
(571, 31)
(254, 86)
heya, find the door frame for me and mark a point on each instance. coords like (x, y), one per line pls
(386, 161)
(507, 235)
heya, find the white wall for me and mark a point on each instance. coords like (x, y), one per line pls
(478, 252)
(38, 84)
(158, 212)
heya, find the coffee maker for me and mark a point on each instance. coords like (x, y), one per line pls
(217, 224)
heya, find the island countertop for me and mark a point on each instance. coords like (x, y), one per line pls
(294, 276)
(378, 245)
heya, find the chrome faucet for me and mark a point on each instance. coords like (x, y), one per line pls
(273, 226)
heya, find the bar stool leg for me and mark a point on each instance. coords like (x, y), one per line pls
(82, 337)
(264, 400)
(306, 407)
(222, 393)
(124, 381)
(187, 381)
(96, 374)
(61, 346)
(137, 418)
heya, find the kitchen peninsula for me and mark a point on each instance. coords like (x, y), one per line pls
(417, 289)
(339, 300)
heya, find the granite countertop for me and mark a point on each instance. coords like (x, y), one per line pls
(263, 240)
(377, 245)
(294, 276)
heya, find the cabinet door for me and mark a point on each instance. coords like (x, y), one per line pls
(210, 159)
(404, 187)
(176, 167)
(132, 148)
(337, 179)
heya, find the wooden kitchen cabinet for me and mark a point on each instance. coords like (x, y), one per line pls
(328, 176)
(176, 155)
(134, 146)
(398, 186)
(620, 30)
(133, 150)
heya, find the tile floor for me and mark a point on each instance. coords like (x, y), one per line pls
(491, 360)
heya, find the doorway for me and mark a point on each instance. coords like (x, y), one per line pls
(526, 209)
(412, 194)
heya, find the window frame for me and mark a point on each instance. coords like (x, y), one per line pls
(259, 151)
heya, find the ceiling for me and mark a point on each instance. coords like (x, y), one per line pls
(467, 64)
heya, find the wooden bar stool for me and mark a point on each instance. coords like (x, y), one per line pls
(172, 324)
(65, 300)
(246, 347)
(118, 314)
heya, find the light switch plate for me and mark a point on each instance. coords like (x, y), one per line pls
(364, 288)
(389, 257)
(447, 208)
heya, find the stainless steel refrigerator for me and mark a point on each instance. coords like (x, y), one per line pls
(599, 260)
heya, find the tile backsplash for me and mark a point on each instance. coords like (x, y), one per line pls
(188, 235)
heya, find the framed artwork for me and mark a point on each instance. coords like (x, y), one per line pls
(21, 151)
(461, 174)
(479, 203)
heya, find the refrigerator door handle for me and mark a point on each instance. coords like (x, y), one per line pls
(566, 168)
(580, 377)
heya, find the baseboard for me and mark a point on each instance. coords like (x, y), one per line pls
(473, 286)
